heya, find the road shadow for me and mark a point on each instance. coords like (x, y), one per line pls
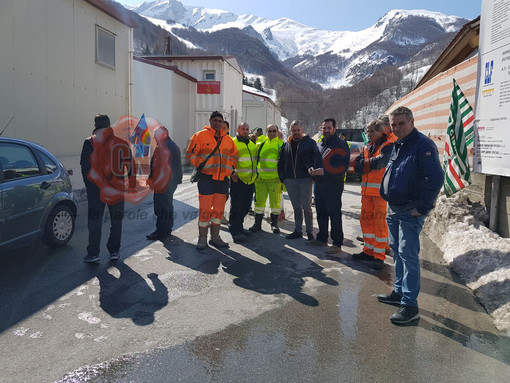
(484, 342)
(205, 261)
(130, 296)
(385, 275)
(284, 274)
(35, 276)
(472, 266)
(453, 290)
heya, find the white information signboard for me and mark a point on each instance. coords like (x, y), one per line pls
(492, 115)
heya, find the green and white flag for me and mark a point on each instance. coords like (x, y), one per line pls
(459, 135)
(365, 137)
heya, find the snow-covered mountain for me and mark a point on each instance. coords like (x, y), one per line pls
(330, 58)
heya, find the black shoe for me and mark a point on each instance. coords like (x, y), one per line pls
(255, 228)
(377, 264)
(405, 314)
(276, 229)
(154, 236)
(239, 237)
(310, 236)
(362, 257)
(247, 233)
(316, 242)
(294, 235)
(91, 259)
(392, 298)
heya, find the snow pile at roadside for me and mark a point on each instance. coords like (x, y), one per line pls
(480, 256)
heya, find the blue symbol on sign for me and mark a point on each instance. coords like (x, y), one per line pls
(488, 71)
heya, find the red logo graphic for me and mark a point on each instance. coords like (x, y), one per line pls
(113, 159)
(327, 161)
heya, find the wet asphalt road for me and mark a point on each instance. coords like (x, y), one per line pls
(270, 310)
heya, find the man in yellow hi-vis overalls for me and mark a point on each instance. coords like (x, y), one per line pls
(268, 182)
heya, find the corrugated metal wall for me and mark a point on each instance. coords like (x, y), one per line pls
(430, 103)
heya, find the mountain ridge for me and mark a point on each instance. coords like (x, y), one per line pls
(306, 49)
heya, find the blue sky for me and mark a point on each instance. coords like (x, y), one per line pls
(353, 15)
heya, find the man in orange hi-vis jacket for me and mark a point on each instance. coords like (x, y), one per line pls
(213, 182)
(371, 163)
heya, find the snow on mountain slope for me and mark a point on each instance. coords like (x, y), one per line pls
(285, 37)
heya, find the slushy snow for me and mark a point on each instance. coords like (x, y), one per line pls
(478, 255)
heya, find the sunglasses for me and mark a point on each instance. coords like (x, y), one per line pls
(271, 131)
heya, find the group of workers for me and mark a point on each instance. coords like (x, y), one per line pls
(401, 178)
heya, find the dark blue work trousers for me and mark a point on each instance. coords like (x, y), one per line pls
(328, 204)
(95, 222)
(241, 196)
(164, 210)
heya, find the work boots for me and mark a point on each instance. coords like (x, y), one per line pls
(202, 237)
(216, 240)
(257, 226)
(274, 224)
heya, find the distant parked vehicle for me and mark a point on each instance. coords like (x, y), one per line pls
(356, 148)
(36, 198)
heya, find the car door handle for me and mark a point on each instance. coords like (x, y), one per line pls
(45, 185)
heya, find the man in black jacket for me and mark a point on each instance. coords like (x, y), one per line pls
(104, 175)
(298, 156)
(329, 186)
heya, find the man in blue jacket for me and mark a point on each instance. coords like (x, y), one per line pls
(410, 184)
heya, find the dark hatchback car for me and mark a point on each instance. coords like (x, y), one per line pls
(36, 198)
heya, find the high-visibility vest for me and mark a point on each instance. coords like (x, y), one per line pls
(246, 168)
(222, 162)
(391, 137)
(371, 181)
(269, 151)
(261, 139)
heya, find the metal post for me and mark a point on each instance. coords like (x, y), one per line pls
(493, 216)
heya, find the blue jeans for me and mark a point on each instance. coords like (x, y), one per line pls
(404, 237)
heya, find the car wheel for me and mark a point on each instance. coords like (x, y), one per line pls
(59, 226)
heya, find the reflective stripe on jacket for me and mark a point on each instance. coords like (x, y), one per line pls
(246, 168)
(222, 162)
(269, 151)
(371, 178)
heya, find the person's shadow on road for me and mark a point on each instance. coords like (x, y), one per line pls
(284, 274)
(130, 296)
(205, 261)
